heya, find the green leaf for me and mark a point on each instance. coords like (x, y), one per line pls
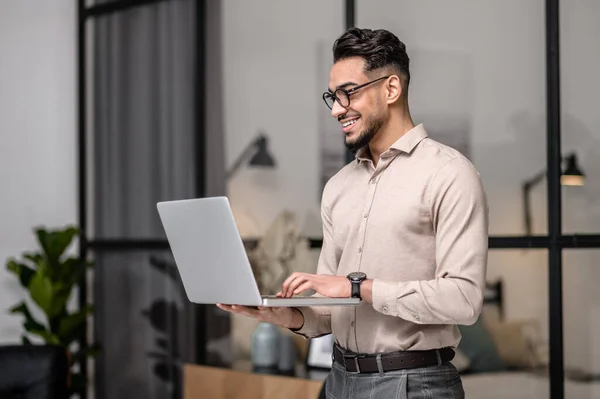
(73, 270)
(60, 298)
(34, 257)
(42, 291)
(46, 335)
(55, 242)
(26, 341)
(71, 323)
(30, 322)
(24, 272)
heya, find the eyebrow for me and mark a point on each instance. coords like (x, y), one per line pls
(343, 86)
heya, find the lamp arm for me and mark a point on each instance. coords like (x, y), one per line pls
(240, 159)
(527, 186)
(527, 209)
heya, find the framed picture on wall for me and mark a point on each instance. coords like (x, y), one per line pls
(320, 352)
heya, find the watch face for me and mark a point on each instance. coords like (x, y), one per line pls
(357, 276)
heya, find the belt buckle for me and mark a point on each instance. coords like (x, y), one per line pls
(354, 357)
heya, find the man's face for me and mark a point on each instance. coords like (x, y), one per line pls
(363, 117)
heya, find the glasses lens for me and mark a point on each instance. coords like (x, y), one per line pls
(329, 99)
(342, 98)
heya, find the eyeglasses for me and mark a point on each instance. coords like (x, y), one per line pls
(342, 96)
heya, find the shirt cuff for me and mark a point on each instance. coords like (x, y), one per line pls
(396, 299)
(384, 297)
(315, 324)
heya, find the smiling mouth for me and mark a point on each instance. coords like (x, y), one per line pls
(347, 125)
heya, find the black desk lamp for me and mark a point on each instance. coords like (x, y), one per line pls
(258, 149)
(571, 176)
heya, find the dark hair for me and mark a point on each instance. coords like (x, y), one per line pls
(379, 48)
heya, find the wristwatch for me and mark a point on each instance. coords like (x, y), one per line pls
(355, 279)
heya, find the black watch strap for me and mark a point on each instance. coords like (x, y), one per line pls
(356, 278)
(355, 289)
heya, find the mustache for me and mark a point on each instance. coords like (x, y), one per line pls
(345, 116)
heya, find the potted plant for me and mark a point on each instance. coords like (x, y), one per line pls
(49, 275)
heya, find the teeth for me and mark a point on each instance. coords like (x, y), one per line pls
(348, 123)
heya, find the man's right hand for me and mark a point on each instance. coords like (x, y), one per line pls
(282, 316)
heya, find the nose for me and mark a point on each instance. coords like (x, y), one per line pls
(337, 110)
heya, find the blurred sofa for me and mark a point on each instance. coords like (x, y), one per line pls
(33, 372)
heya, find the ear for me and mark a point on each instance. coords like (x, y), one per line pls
(394, 89)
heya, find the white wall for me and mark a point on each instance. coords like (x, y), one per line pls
(37, 132)
(469, 69)
(273, 76)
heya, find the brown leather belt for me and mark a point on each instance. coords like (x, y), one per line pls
(363, 363)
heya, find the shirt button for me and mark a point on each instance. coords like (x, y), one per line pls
(385, 309)
(373, 181)
(359, 249)
(365, 215)
(352, 324)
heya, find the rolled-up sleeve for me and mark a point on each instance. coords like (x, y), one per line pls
(317, 319)
(459, 214)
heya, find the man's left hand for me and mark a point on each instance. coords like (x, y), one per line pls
(326, 285)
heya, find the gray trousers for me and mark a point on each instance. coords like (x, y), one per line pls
(431, 382)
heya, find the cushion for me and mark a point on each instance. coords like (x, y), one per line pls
(518, 342)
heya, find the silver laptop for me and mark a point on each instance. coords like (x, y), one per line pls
(211, 258)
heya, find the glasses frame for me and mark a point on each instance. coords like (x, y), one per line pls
(347, 93)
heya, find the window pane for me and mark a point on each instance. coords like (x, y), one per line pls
(480, 87)
(276, 58)
(580, 119)
(517, 336)
(581, 321)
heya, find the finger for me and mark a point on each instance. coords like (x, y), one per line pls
(297, 283)
(286, 283)
(239, 309)
(303, 287)
(244, 311)
(300, 278)
(285, 289)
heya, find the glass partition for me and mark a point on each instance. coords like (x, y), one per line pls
(580, 119)
(505, 353)
(479, 86)
(276, 59)
(581, 321)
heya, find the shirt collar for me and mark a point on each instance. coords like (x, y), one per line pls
(406, 143)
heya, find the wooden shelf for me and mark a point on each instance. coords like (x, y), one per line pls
(221, 383)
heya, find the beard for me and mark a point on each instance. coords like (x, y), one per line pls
(364, 138)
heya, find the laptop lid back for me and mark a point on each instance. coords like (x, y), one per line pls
(208, 251)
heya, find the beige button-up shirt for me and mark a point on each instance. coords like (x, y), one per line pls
(417, 224)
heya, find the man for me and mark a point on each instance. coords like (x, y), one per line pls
(405, 227)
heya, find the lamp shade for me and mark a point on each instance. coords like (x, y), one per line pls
(262, 157)
(572, 174)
